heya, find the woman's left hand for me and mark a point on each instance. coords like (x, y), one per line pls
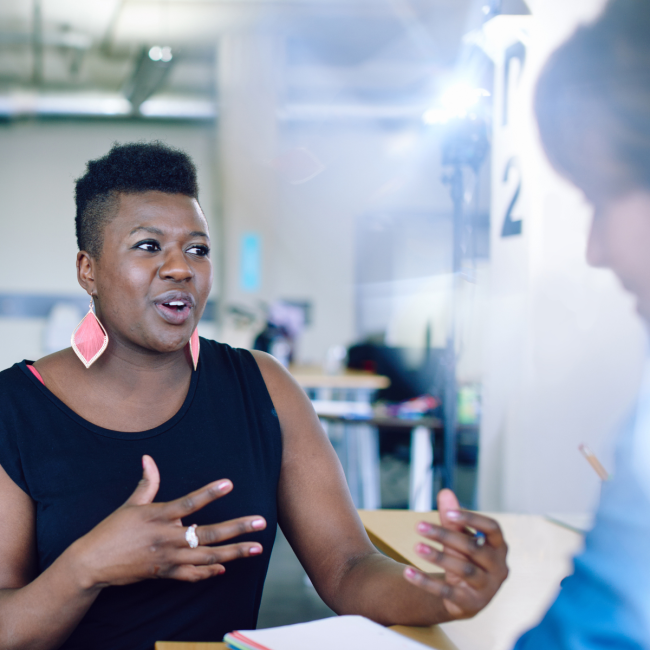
(475, 565)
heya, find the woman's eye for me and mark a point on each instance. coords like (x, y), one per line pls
(201, 251)
(149, 246)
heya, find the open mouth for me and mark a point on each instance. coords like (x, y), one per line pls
(175, 309)
(178, 305)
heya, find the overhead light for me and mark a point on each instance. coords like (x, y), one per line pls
(164, 54)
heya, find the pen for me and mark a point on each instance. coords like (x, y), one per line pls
(594, 462)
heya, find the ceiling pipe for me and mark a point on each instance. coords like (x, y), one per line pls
(37, 43)
(150, 73)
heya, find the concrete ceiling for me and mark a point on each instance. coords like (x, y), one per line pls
(368, 49)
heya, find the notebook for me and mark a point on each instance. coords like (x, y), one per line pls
(338, 632)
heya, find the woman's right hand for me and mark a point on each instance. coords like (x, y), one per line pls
(143, 540)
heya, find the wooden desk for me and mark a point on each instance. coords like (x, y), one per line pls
(314, 377)
(539, 557)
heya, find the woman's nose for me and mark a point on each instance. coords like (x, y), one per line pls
(175, 267)
(596, 244)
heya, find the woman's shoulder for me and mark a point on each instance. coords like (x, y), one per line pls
(56, 362)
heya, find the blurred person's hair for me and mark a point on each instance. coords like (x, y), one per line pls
(129, 168)
(593, 101)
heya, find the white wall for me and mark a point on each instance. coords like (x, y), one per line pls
(564, 348)
(38, 164)
(308, 228)
(368, 170)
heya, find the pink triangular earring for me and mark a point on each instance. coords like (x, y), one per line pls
(89, 340)
(194, 348)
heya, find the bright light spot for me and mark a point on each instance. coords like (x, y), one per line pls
(460, 98)
(485, 9)
(436, 116)
(456, 102)
(164, 54)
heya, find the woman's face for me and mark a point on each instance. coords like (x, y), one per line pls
(154, 273)
(620, 240)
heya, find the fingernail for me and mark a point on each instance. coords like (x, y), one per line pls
(255, 550)
(258, 523)
(423, 527)
(454, 515)
(422, 548)
(409, 572)
(222, 570)
(223, 485)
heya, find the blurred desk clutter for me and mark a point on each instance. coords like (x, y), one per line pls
(285, 321)
(353, 425)
(421, 385)
(539, 557)
(392, 421)
(344, 404)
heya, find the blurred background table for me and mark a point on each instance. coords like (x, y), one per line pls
(313, 377)
(343, 402)
(540, 556)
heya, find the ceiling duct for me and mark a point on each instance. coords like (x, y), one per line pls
(151, 70)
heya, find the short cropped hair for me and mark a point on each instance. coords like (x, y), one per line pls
(128, 169)
(593, 101)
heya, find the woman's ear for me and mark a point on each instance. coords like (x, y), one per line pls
(86, 271)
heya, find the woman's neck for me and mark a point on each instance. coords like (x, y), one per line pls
(122, 392)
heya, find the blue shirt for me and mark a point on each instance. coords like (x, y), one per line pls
(606, 602)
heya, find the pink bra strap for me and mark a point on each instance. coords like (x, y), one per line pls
(36, 374)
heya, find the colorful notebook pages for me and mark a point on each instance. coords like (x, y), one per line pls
(338, 632)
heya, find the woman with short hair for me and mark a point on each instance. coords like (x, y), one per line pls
(224, 442)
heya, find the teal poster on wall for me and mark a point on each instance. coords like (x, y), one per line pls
(250, 261)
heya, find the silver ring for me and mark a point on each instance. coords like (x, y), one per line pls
(191, 537)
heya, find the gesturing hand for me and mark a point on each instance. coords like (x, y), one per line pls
(474, 570)
(142, 539)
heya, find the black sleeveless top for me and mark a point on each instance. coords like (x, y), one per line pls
(78, 473)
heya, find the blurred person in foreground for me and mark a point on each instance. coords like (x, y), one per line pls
(593, 109)
(225, 443)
